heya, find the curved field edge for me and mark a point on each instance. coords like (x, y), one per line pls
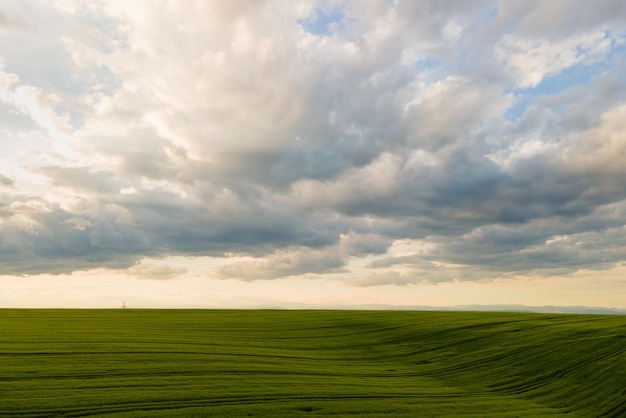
(132, 363)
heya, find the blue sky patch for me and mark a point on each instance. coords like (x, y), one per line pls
(320, 23)
(576, 75)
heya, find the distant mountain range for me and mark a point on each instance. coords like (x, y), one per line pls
(503, 308)
(482, 308)
(545, 309)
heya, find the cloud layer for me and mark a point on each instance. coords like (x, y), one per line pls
(312, 137)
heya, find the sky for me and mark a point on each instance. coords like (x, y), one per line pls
(318, 153)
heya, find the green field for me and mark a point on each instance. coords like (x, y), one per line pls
(164, 363)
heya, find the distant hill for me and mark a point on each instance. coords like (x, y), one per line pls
(468, 308)
(544, 309)
(500, 308)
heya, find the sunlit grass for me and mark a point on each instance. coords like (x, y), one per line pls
(167, 363)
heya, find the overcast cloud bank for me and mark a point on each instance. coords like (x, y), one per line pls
(373, 142)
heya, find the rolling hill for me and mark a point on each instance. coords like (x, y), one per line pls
(135, 363)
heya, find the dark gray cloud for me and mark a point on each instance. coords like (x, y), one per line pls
(118, 230)
(594, 241)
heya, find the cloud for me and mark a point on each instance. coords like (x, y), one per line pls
(561, 18)
(297, 261)
(156, 271)
(386, 278)
(10, 16)
(5, 181)
(534, 60)
(545, 246)
(284, 263)
(490, 131)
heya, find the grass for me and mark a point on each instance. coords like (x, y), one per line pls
(165, 363)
